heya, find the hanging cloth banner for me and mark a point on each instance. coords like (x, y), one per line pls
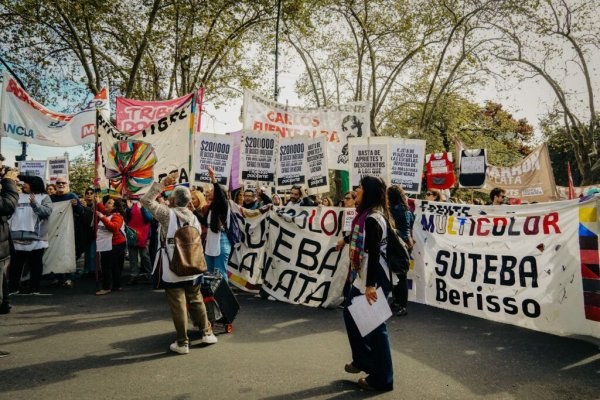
(440, 171)
(24, 119)
(316, 158)
(136, 115)
(473, 164)
(59, 257)
(336, 123)
(257, 157)
(214, 151)
(294, 250)
(532, 179)
(535, 266)
(291, 162)
(407, 157)
(369, 156)
(168, 138)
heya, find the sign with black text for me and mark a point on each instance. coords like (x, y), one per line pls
(214, 151)
(257, 157)
(407, 159)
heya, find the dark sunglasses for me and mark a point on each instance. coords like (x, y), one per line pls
(428, 194)
(347, 198)
(61, 183)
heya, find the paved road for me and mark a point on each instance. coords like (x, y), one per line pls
(73, 345)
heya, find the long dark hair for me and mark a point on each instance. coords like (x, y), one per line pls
(396, 196)
(36, 184)
(219, 209)
(374, 196)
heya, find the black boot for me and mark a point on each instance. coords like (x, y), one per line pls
(4, 307)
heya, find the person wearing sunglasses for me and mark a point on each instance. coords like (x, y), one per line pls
(497, 196)
(433, 195)
(63, 194)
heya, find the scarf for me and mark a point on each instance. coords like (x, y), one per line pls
(357, 240)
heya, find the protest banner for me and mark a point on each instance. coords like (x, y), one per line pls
(316, 159)
(59, 257)
(293, 250)
(369, 156)
(214, 151)
(532, 179)
(563, 191)
(136, 115)
(33, 168)
(24, 119)
(337, 123)
(291, 167)
(149, 155)
(257, 158)
(535, 266)
(407, 157)
(57, 167)
(235, 182)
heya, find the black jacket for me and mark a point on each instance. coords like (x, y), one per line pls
(9, 198)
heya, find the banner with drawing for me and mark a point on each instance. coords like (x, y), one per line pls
(337, 123)
(535, 266)
(130, 161)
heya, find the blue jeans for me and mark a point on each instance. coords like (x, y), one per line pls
(220, 262)
(371, 353)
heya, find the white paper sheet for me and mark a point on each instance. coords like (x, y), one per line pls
(368, 317)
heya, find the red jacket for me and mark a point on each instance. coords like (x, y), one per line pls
(113, 224)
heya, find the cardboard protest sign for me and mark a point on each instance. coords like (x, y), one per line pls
(214, 151)
(532, 266)
(291, 162)
(316, 158)
(406, 168)
(24, 119)
(257, 158)
(57, 167)
(369, 156)
(337, 123)
(33, 168)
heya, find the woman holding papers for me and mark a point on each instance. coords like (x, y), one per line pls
(371, 353)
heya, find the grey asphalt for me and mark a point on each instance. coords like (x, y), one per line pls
(74, 345)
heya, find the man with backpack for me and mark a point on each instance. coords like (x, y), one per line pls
(179, 264)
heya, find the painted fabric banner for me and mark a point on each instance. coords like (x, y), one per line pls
(369, 156)
(563, 191)
(531, 180)
(535, 266)
(316, 158)
(337, 123)
(151, 153)
(136, 115)
(293, 250)
(214, 151)
(59, 257)
(291, 162)
(24, 119)
(407, 158)
(257, 157)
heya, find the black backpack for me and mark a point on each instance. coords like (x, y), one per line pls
(397, 256)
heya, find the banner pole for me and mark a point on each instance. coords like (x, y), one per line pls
(96, 191)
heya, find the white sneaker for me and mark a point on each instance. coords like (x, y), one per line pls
(210, 339)
(185, 349)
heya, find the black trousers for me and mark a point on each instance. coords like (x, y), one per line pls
(400, 291)
(112, 267)
(33, 260)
